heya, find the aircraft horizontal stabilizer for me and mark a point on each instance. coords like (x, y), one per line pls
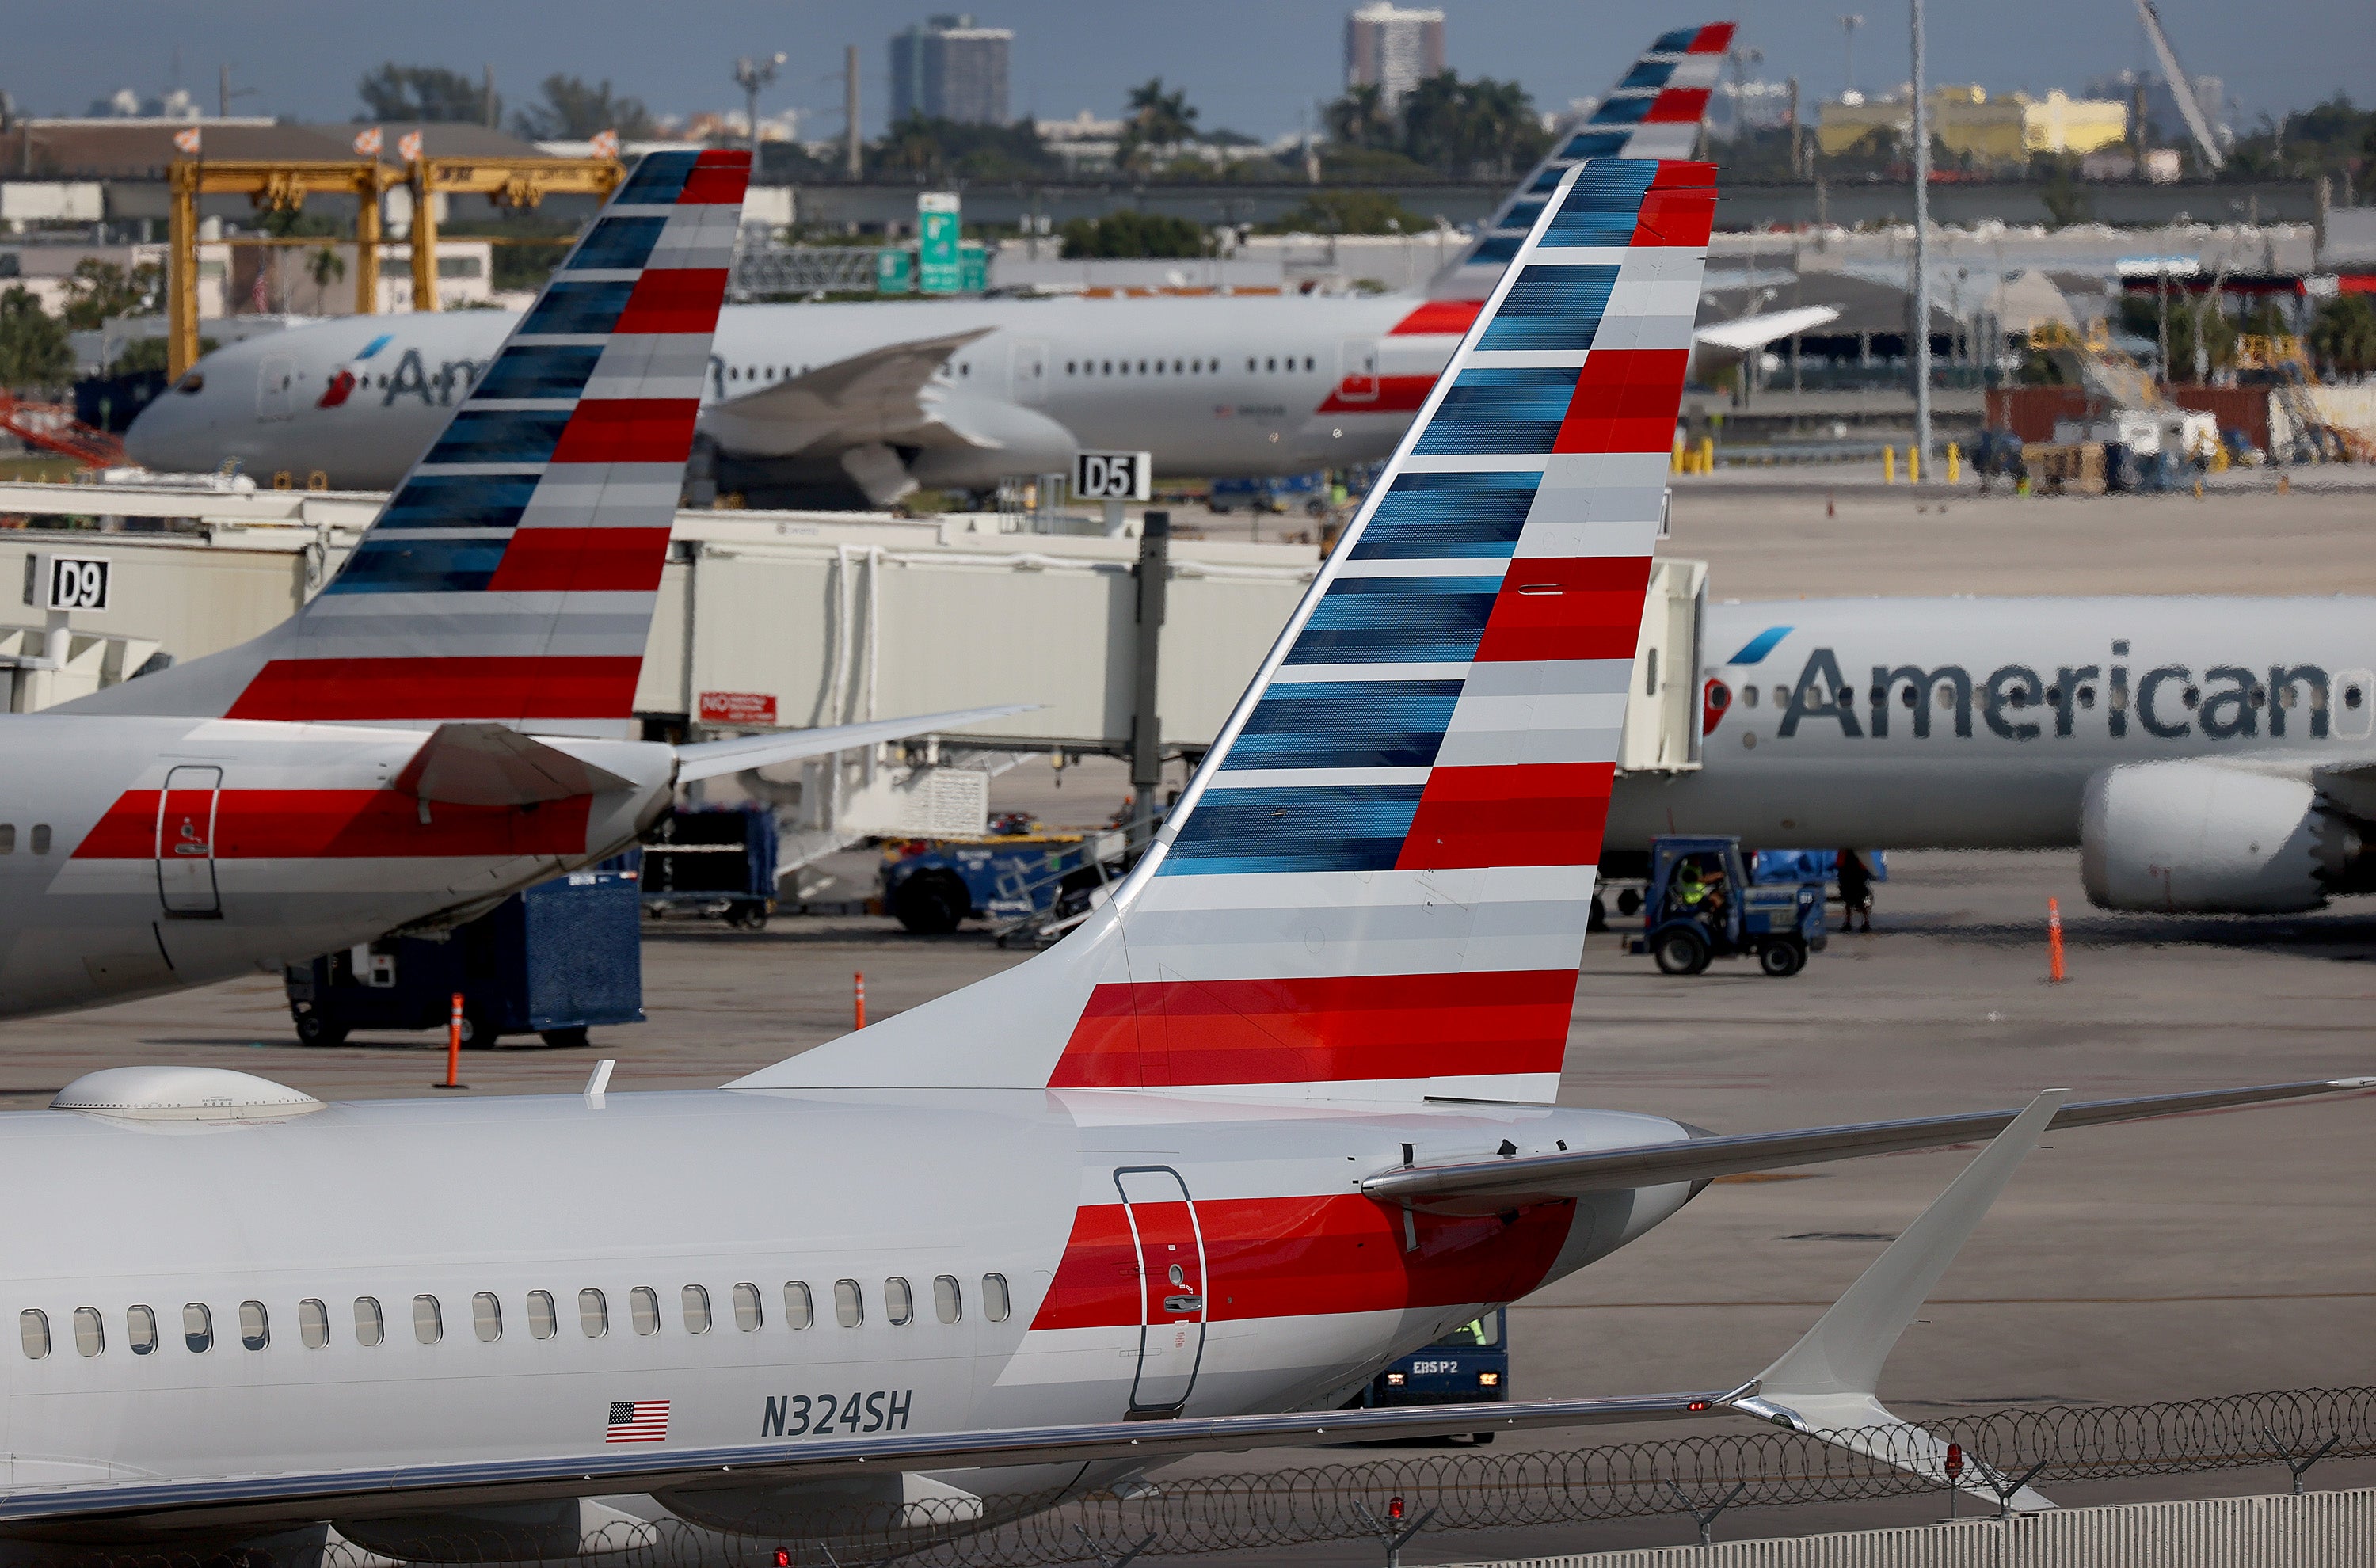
(1750, 333)
(849, 402)
(246, 1501)
(1492, 1186)
(478, 764)
(708, 759)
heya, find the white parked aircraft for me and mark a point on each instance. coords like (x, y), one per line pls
(362, 767)
(2204, 754)
(1277, 1111)
(842, 404)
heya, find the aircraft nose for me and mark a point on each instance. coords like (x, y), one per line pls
(169, 436)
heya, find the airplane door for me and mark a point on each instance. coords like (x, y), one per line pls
(2354, 704)
(1356, 368)
(1170, 1246)
(185, 842)
(1031, 372)
(276, 383)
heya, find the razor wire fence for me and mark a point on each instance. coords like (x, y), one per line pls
(815, 1525)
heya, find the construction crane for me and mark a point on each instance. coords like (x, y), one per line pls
(2180, 88)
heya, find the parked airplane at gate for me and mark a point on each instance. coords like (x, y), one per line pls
(843, 404)
(1279, 1110)
(2204, 754)
(362, 767)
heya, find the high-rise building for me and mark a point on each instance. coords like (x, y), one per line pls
(1392, 49)
(946, 68)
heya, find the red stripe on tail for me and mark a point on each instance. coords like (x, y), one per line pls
(1626, 402)
(1338, 1030)
(582, 561)
(1528, 814)
(331, 690)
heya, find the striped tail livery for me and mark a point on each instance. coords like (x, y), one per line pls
(1376, 887)
(513, 575)
(1654, 113)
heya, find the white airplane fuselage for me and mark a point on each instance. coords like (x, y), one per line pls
(1250, 386)
(1082, 1205)
(152, 853)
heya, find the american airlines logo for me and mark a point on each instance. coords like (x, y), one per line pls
(2019, 702)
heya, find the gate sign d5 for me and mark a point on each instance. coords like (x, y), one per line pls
(1113, 476)
(68, 582)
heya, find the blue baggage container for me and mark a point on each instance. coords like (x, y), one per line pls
(562, 957)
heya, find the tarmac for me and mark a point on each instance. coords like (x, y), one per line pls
(2197, 1255)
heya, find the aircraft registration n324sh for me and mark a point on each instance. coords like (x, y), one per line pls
(1281, 1110)
(841, 404)
(367, 765)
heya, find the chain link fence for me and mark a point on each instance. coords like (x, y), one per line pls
(1454, 1491)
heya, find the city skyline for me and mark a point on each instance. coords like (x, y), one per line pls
(1261, 69)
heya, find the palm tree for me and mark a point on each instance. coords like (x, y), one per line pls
(1157, 118)
(1362, 119)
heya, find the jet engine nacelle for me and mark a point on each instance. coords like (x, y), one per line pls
(2211, 838)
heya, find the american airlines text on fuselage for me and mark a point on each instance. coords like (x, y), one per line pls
(2016, 701)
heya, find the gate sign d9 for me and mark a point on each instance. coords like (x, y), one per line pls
(1113, 476)
(77, 582)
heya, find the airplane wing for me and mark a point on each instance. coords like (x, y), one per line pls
(866, 398)
(708, 759)
(1494, 1186)
(1822, 1386)
(1750, 333)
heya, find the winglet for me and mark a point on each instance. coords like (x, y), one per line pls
(1824, 1385)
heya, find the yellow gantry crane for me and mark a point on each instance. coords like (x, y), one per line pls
(283, 187)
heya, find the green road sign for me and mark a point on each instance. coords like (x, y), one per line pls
(937, 270)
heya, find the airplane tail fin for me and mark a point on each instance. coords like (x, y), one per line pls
(511, 576)
(1377, 885)
(1654, 112)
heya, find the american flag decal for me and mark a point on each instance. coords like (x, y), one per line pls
(638, 1421)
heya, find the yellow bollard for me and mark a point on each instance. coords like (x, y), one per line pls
(1954, 463)
(1707, 453)
(1675, 464)
(1889, 465)
(1913, 465)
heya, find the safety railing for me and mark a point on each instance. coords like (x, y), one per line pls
(1453, 1491)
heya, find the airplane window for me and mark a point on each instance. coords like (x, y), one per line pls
(370, 1328)
(947, 1303)
(1270, 364)
(33, 1328)
(899, 1302)
(1749, 697)
(254, 1328)
(593, 1313)
(1781, 696)
(1142, 367)
(798, 1312)
(91, 1331)
(2087, 696)
(2350, 700)
(1109, 367)
(1946, 697)
(8, 837)
(428, 1323)
(1158, 367)
(197, 1328)
(993, 1297)
(746, 1307)
(1307, 361)
(140, 1330)
(1250, 362)
(644, 1309)
(2286, 697)
(1910, 698)
(486, 1317)
(41, 830)
(1068, 367)
(966, 369)
(543, 1323)
(848, 1307)
(695, 1301)
(313, 1324)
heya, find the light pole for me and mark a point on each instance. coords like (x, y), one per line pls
(1847, 29)
(750, 76)
(1743, 59)
(1921, 302)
